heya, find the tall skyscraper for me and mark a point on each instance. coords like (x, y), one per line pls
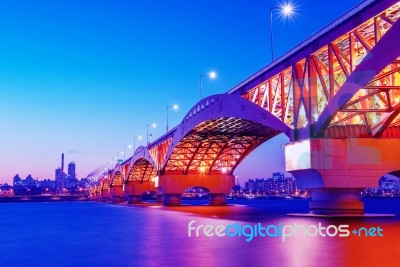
(60, 175)
(62, 162)
(71, 170)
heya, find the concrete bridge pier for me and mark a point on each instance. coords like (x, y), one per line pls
(336, 201)
(134, 199)
(217, 199)
(174, 185)
(117, 194)
(105, 195)
(171, 199)
(135, 190)
(337, 170)
(97, 196)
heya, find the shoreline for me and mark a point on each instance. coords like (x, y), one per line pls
(51, 198)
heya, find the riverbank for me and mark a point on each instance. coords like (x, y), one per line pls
(50, 198)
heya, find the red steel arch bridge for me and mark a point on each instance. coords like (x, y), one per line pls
(337, 98)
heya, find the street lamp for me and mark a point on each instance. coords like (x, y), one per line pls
(285, 10)
(129, 147)
(134, 142)
(211, 75)
(153, 125)
(174, 107)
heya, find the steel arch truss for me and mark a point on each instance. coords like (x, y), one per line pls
(352, 81)
(117, 180)
(217, 134)
(142, 171)
(104, 184)
(217, 146)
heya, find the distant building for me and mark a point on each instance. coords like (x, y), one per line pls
(278, 175)
(278, 184)
(59, 177)
(16, 180)
(251, 185)
(70, 181)
(71, 170)
(6, 190)
(389, 183)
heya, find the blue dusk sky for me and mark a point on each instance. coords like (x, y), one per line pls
(84, 77)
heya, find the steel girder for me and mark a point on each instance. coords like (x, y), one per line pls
(351, 80)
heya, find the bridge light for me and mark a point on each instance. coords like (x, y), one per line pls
(223, 169)
(202, 169)
(212, 75)
(153, 125)
(174, 107)
(287, 9)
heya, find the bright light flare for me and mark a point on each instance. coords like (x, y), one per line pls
(287, 9)
(202, 169)
(212, 75)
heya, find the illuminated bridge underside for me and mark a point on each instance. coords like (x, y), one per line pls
(117, 180)
(217, 134)
(344, 83)
(142, 171)
(217, 146)
(104, 184)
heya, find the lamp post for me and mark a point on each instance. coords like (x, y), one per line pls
(211, 75)
(153, 125)
(129, 147)
(286, 10)
(174, 107)
(134, 142)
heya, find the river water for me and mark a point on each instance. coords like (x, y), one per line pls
(100, 234)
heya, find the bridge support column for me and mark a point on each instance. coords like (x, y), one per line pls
(171, 199)
(117, 194)
(105, 195)
(134, 199)
(336, 201)
(336, 170)
(134, 191)
(174, 185)
(117, 199)
(217, 199)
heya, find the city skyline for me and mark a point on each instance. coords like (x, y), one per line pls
(85, 81)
